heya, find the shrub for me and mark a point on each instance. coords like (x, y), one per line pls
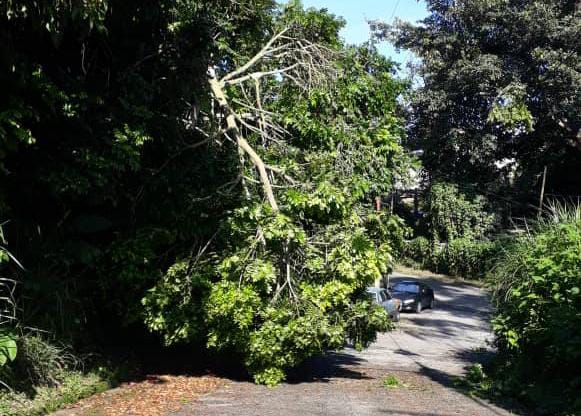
(460, 257)
(456, 226)
(419, 250)
(465, 257)
(38, 363)
(73, 387)
(41, 362)
(450, 214)
(537, 295)
(280, 299)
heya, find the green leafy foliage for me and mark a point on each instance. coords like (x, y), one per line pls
(457, 227)
(498, 81)
(148, 212)
(8, 347)
(8, 311)
(463, 257)
(272, 316)
(538, 304)
(95, 128)
(450, 214)
(285, 285)
(510, 110)
(174, 306)
(74, 386)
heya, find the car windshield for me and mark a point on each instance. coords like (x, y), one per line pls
(372, 296)
(407, 287)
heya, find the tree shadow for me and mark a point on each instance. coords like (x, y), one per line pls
(323, 368)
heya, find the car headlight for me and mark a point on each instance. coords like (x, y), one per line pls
(408, 301)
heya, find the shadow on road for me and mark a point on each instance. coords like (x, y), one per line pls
(323, 368)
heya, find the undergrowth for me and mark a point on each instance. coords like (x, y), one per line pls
(73, 386)
(46, 376)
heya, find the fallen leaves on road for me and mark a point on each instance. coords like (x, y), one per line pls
(155, 396)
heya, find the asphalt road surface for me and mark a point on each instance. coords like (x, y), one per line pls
(424, 355)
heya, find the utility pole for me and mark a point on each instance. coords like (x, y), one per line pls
(543, 189)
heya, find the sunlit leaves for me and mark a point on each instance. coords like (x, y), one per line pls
(8, 347)
(288, 284)
(497, 79)
(537, 299)
(451, 214)
(510, 111)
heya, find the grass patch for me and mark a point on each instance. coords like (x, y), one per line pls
(45, 376)
(74, 386)
(475, 382)
(478, 383)
(391, 382)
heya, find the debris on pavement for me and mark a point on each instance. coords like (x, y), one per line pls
(156, 395)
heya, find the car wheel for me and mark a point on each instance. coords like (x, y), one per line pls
(396, 317)
(419, 306)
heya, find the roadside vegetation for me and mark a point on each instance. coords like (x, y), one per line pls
(454, 236)
(537, 295)
(214, 176)
(205, 172)
(39, 376)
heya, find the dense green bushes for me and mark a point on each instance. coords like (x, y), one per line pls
(465, 257)
(284, 279)
(537, 295)
(451, 214)
(460, 257)
(456, 228)
(43, 376)
(419, 251)
(74, 386)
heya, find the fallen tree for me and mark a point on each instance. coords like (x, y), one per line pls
(317, 133)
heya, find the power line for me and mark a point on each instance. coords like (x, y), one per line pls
(394, 10)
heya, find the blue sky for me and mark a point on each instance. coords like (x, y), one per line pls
(356, 12)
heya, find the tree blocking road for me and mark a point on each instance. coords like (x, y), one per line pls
(423, 355)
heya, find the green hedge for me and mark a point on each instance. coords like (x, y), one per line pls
(460, 257)
(419, 251)
(466, 258)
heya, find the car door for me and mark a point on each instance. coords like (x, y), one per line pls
(383, 299)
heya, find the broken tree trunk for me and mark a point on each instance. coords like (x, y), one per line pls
(217, 89)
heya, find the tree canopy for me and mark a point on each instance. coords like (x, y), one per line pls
(499, 93)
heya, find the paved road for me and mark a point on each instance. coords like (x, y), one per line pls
(423, 354)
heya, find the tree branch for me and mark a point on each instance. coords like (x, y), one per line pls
(232, 126)
(254, 59)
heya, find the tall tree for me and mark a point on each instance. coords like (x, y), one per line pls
(500, 86)
(102, 176)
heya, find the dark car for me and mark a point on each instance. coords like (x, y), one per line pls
(414, 295)
(384, 299)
